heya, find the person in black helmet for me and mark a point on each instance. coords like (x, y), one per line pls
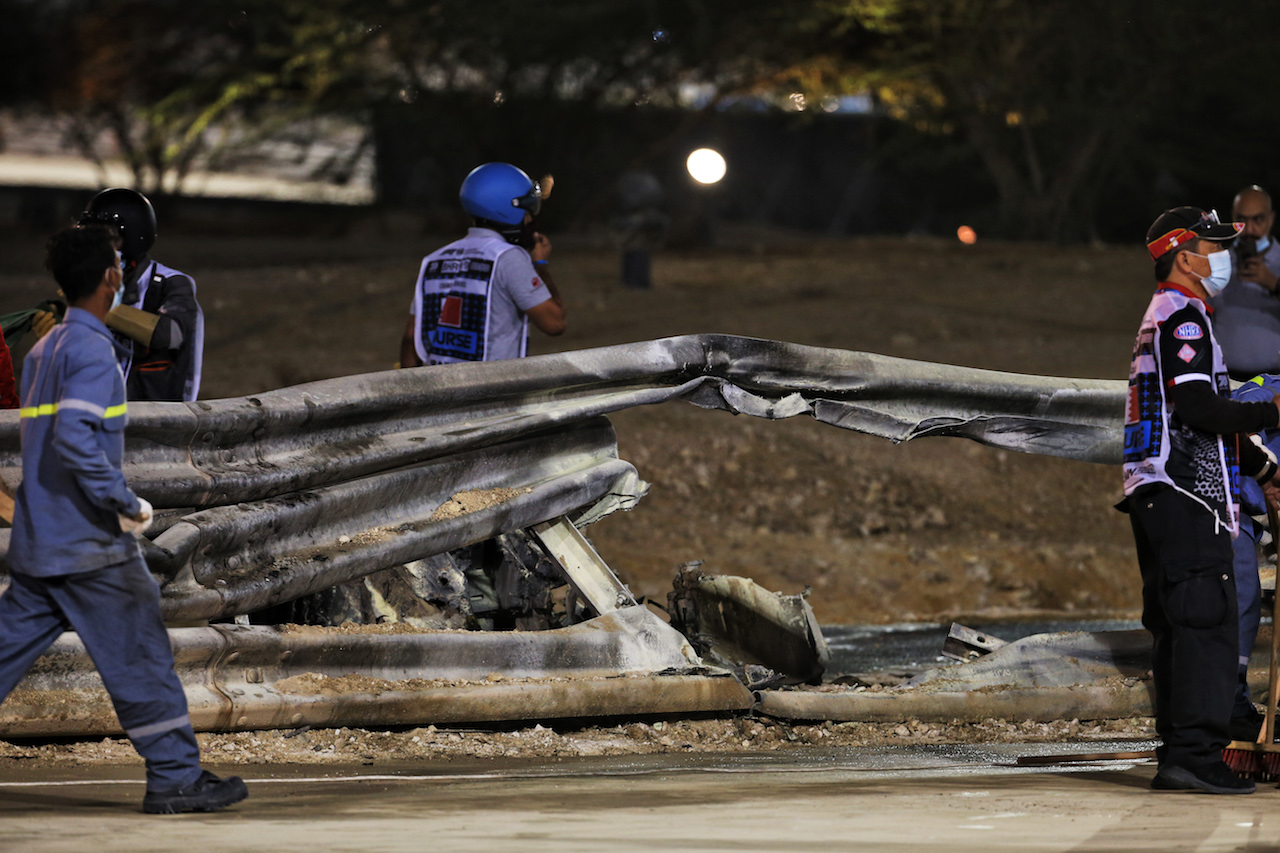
(158, 320)
(475, 298)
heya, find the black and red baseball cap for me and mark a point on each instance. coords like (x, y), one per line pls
(1180, 225)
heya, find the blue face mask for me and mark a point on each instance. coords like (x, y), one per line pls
(1219, 271)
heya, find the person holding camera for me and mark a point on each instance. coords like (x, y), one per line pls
(475, 298)
(1247, 312)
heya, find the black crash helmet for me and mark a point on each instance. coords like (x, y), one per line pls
(131, 213)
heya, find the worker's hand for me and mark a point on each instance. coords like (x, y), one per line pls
(139, 523)
(1272, 492)
(42, 322)
(541, 247)
(133, 323)
(1253, 269)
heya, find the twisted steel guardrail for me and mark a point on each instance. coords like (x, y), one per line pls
(214, 467)
(268, 497)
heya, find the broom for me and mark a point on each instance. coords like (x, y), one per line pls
(1261, 761)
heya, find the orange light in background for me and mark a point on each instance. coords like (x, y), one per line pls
(967, 235)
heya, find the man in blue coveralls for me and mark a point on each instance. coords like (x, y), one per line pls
(74, 562)
(1246, 721)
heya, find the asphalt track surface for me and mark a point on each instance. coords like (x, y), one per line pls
(957, 798)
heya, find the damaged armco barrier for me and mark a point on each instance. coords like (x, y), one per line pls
(262, 677)
(737, 623)
(265, 500)
(1060, 676)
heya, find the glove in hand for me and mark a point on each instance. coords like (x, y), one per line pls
(138, 524)
(43, 322)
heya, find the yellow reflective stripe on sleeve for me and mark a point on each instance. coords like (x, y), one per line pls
(38, 411)
(46, 409)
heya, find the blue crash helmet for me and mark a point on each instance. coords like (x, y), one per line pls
(499, 192)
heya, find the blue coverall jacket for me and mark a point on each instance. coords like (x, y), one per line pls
(72, 420)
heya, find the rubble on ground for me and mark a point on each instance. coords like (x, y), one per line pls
(431, 743)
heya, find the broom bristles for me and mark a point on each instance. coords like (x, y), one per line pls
(1253, 761)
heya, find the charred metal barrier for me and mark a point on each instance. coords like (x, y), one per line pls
(265, 498)
(227, 560)
(220, 452)
(236, 559)
(734, 621)
(1059, 676)
(272, 496)
(239, 677)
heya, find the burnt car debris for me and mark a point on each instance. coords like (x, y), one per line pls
(407, 547)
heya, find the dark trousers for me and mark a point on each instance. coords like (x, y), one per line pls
(116, 613)
(1189, 606)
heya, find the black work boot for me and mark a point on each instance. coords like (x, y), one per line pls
(1212, 778)
(206, 794)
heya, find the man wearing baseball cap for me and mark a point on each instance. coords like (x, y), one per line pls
(1185, 442)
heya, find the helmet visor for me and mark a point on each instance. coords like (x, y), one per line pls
(530, 201)
(101, 217)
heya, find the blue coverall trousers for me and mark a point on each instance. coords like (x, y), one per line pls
(116, 613)
(1249, 603)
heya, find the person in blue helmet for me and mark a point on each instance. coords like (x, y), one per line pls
(1246, 721)
(475, 298)
(73, 559)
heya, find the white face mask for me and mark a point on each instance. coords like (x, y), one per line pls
(119, 297)
(1219, 271)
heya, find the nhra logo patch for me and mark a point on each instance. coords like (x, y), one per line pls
(1189, 332)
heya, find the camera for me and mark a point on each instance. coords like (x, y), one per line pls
(1246, 248)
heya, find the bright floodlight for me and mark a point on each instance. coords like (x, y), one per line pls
(705, 166)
